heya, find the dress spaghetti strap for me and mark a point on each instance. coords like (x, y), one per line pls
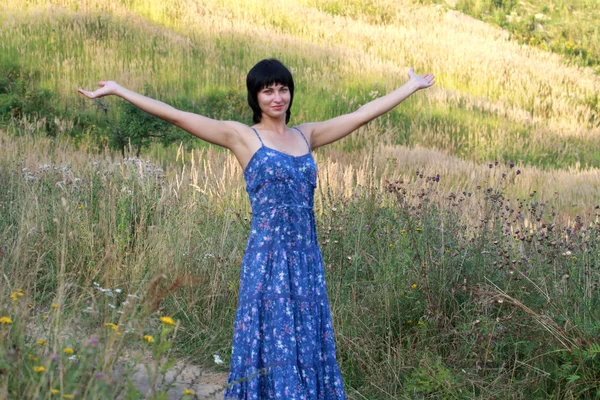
(304, 137)
(261, 142)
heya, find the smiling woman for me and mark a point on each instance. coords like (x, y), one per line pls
(270, 84)
(275, 97)
(283, 339)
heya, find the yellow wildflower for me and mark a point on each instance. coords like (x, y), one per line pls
(188, 391)
(403, 231)
(5, 321)
(67, 396)
(68, 351)
(16, 294)
(391, 245)
(410, 321)
(54, 391)
(39, 368)
(54, 305)
(149, 338)
(32, 357)
(418, 229)
(111, 325)
(167, 320)
(42, 342)
(414, 286)
(420, 323)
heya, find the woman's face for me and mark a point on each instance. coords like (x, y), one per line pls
(274, 100)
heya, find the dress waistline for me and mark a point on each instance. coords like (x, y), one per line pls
(285, 206)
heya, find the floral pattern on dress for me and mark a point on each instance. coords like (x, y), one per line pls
(283, 342)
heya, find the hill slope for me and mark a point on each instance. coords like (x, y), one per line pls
(495, 98)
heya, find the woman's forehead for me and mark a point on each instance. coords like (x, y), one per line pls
(274, 85)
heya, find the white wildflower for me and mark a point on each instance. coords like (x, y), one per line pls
(217, 359)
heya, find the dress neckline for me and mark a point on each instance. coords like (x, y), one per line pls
(275, 150)
(287, 154)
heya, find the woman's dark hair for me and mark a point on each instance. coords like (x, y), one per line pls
(268, 72)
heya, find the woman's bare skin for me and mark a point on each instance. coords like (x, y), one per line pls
(274, 102)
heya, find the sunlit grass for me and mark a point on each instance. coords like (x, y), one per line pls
(187, 51)
(566, 28)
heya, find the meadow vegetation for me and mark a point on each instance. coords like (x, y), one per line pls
(495, 99)
(569, 28)
(435, 293)
(460, 233)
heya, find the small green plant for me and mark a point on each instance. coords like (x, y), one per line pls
(21, 97)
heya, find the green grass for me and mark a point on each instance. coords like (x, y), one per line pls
(504, 115)
(568, 28)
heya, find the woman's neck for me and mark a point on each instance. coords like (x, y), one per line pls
(274, 125)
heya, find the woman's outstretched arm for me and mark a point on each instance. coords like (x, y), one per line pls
(222, 133)
(329, 131)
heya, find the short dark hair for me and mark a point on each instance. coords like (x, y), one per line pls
(266, 73)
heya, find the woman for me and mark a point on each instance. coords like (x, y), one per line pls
(283, 344)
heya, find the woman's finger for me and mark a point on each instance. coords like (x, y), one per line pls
(87, 94)
(97, 93)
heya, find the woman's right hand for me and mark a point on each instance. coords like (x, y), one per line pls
(106, 88)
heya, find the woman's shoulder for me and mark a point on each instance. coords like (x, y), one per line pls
(306, 127)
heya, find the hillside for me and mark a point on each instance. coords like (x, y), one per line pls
(568, 28)
(494, 98)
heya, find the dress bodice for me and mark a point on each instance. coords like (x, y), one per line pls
(274, 178)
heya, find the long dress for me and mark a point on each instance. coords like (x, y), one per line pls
(283, 344)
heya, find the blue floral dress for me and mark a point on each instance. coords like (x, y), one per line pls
(283, 345)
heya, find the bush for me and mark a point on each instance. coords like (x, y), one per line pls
(21, 97)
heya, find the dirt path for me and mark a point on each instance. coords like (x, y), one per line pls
(207, 385)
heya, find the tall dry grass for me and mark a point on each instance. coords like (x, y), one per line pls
(417, 270)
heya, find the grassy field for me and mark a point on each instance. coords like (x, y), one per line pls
(435, 293)
(569, 28)
(459, 233)
(495, 99)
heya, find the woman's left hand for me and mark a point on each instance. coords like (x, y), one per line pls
(421, 81)
(106, 88)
